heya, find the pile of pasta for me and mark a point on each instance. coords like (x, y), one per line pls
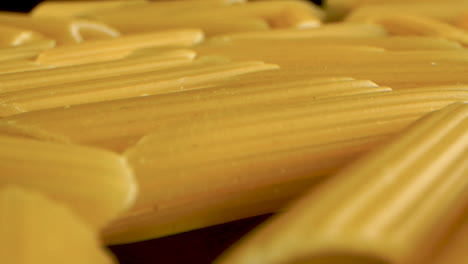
(122, 121)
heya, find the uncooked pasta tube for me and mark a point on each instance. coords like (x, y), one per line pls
(265, 156)
(446, 11)
(143, 61)
(397, 72)
(273, 53)
(337, 9)
(328, 30)
(21, 65)
(73, 9)
(132, 85)
(325, 55)
(107, 116)
(277, 14)
(412, 24)
(220, 110)
(397, 69)
(210, 24)
(246, 92)
(160, 16)
(394, 206)
(102, 50)
(391, 43)
(25, 51)
(74, 175)
(407, 77)
(13, 36)
(62, 30)
(37, 229)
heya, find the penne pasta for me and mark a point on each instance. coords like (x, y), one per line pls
(174, 106)
(391, 43)
(157, 15)
(142, 61)
(133, 85)
(397, 69)
(300, 90)
(412, 24)
(272, 54)
(74, 175)
(272, 151)
(323, 55)
(61, 30)
(73, 9)
(104, 50)
(446, 11)
(338, 9)
(210, 25)
(220, 110)
(400, 79)
(13, 36)
(400, 201)
(25, 51)
(28, 216)
(20, 65)
(328, 30)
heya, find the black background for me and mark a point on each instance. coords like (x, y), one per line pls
(200, 246)
(15, 5)
(26, 6)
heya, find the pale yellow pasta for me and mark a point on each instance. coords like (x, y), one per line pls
(142, 61)
(324, 55)
(63, 31)
(412, 24)
(220, 110)
(390, 43)
(14, 36)
(337, 9)
(25, 51)
(327, 30)
(35, 228)
(265, 157)
(103, 50)
(73, 175)
(71, 122)
(209, 24)
(73, 9)
(132, 85)
(397, 69)
(429, 73)
(20, 65)
(396, 205)
(446, 11)
(230, 18)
